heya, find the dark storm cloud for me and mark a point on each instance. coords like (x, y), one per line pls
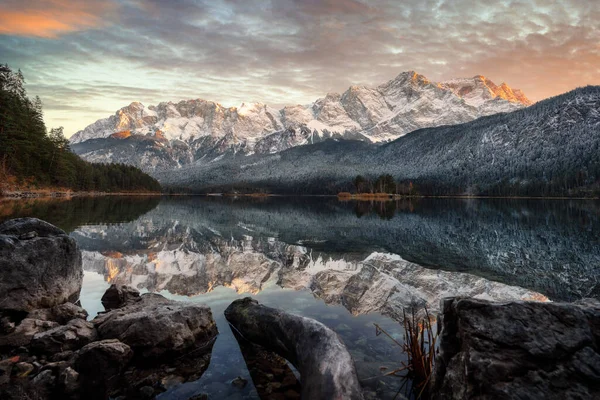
(293, 51)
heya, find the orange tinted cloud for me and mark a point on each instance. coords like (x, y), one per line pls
(50, 19)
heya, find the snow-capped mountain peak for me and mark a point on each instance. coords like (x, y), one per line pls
(478, 90)
(200, 130)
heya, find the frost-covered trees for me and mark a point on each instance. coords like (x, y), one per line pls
(548, 149)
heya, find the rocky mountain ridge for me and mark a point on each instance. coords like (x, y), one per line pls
(548, 149)
(170, 135)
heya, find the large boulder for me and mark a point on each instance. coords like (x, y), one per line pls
(40, 265)
(154, 326)
(518, 350)
(117, 296)
(326, 368)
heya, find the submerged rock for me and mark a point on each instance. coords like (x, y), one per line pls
(326, 368)
(239, 382)
(518, 350)
(155, 326)
(272, 376)
(40, 265)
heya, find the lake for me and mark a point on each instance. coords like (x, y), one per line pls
(348, 264)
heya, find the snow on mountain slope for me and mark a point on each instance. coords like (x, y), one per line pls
(204, 130)
(477, 90)
(550, 148)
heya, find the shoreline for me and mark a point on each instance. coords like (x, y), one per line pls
(66, 194)
(391, 197)
(59, 194)
(465, 197)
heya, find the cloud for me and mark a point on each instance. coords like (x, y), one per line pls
(50, 18)
(293, 51)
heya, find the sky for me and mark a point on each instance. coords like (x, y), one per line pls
(87, 59)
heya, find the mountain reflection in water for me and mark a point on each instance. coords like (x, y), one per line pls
(347, 264)
(191, 245)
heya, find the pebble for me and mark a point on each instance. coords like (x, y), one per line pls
(239, 382)
(5, 370)
(171, 380)
(69, 379)
(289, 380)
(44, 378)
(28, 235)
(292, 394)
(201, 396)
(146, 392)
(22, 369)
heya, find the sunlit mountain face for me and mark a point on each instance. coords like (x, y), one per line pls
(172, 135)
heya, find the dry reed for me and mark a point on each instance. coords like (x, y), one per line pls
(420, 348)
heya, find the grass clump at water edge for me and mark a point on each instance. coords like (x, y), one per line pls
(420, 348)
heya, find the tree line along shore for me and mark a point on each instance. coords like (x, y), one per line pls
(38, 162)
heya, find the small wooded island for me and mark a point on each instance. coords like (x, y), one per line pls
(50, 349)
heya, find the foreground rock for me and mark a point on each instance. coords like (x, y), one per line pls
(100, 363)
(72, 336)
(117, 296)
(154, 326)
(326, 368)
(40, 266)
(61, 314)
(48, 349)
(136, 351)
(20, 333)
(518, 350)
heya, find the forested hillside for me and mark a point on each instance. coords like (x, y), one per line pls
(549, 149)
(30, 155)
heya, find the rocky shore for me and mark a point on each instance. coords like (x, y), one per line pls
(138, 348)
(144, 344)
(518, 350)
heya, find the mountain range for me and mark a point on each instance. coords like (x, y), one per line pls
(548, 149)
(172, 135)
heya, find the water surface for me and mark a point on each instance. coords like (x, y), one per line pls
(346, 264)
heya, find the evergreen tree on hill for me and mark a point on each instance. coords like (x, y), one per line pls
(29, 153)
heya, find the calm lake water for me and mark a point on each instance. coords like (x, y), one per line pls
(346, 264)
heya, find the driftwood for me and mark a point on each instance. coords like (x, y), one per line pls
(326, 368)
